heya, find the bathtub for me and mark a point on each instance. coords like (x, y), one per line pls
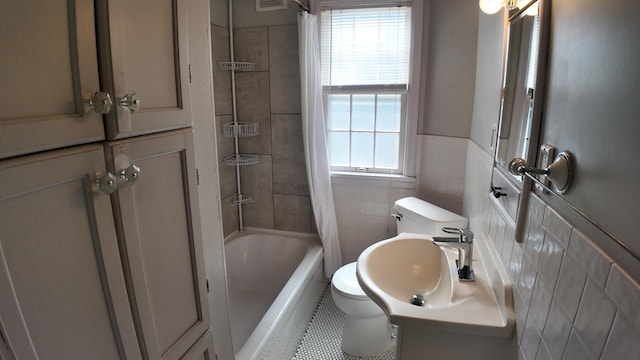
(275, 281)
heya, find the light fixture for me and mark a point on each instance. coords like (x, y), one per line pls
(493, 6)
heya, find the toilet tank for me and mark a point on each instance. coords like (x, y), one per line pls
(421, 217)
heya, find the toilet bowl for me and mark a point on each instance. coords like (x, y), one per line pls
(366, 330)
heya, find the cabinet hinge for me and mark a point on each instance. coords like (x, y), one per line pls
(190, 77)
(207, 285)
(198, 176)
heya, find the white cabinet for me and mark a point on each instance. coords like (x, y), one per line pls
(159, 230)
(54, 61)
(201, 350)
(49, 63)
(83, 274)
(62, 289)
(86, 276)
(143, 49)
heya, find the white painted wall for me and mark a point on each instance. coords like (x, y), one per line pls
(450, 54)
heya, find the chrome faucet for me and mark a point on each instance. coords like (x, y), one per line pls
(464, 244)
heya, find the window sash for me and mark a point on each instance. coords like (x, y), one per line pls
(366, 46)
(374, 130)
(406, 141)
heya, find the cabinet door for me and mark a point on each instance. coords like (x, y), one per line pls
(48, 64)
(160, 233)
(62, 290)
(201, 350)
(143, 49)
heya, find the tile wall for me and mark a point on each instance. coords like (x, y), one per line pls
(572, 301)
(363, 208)
(269, 95)
(363, 211)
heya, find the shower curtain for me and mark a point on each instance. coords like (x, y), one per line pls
(315, 143)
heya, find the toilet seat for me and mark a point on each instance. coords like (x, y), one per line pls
(345, 283)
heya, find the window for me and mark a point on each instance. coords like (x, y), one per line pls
(366, 57)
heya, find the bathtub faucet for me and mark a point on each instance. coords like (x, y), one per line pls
(464, 244)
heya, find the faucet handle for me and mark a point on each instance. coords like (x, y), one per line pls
(466, 235)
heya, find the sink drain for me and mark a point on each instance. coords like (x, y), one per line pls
(417, 300)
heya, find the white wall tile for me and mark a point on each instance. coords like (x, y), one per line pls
(534, 242)
(556, 331)
(537, 208)
(570, 285)
(498, 237)
(530, 339)
(507, 247)
(479, 165)
(624, 292)
(590, 257)
(526, 280)
(575, 349)
(540, 302)
(543, 352)
(551, 260)
(364, 214)
(521, 355)
(623, 342)
(594, 319)
(521, 310)
(556, 225)
(516, 261)
(559, 276)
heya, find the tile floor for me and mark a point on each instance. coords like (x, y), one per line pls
(321, 340)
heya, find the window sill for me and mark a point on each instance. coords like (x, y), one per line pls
(373, 179)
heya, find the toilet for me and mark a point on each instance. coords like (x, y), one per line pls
(367, 331)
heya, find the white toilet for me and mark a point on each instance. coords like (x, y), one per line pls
(367, 331)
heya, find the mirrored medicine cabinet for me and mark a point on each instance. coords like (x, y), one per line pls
(525, 57)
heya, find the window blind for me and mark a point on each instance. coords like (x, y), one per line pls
(369, 46)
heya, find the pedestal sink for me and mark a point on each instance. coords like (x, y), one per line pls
(458, 319)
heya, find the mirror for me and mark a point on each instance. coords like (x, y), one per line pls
(522, 77)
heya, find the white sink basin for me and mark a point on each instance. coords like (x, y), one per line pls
(393, 270)
(401, 268)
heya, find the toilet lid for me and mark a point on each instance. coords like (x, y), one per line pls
(345, 282)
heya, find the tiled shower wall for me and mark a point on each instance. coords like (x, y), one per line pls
(270, 96)
(571, 300)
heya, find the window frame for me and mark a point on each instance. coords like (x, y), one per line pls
(409, 136)
(371, 90)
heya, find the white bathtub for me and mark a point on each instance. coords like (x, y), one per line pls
(275, 281)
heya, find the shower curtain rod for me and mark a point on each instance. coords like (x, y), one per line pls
(302, 5)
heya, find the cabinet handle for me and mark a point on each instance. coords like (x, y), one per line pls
(99, 102)
(497, 191)
(107, 183)
(131, 174)
(130, 101)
